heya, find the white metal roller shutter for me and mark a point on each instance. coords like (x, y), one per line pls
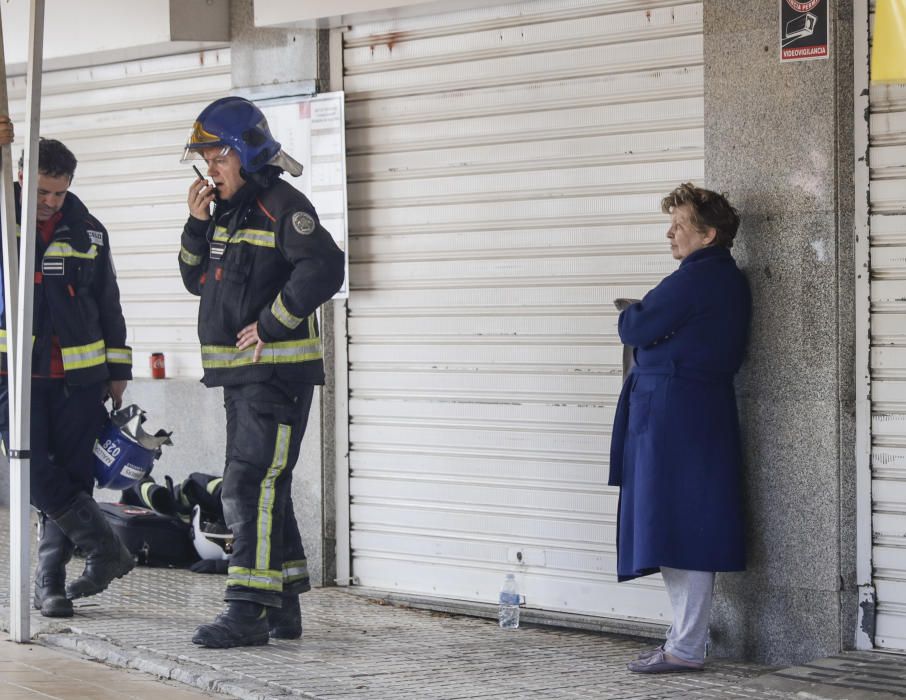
(505, 171)
(127, 125)
(887, 222)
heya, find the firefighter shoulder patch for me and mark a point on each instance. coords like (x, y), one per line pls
(96, 237)
(303, 223)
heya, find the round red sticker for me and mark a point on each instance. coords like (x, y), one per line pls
(803, 6)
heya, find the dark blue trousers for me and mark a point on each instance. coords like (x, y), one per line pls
(265, 424)
(65, 421)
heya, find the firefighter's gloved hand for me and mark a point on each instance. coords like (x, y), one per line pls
(210, 566)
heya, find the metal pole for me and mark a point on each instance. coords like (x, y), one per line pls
(20, 372)
(865, 626)
(18, 515)
(342, 518)
(8, 216)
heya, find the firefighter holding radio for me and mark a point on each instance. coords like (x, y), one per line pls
(79, 360)
(254, 250)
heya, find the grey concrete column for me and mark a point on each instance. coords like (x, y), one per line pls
(778, 142)
(266, 56)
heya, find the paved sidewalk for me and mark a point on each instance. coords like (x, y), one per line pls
(357, 648)
(33, 672)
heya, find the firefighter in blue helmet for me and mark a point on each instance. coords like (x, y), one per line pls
(79, 360)
(255, 252)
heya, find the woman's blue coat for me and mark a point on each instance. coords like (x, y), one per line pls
(675, 449)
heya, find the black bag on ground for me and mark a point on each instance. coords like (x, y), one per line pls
(154, 539)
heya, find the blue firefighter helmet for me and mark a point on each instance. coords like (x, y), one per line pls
(124, 453)
(235, 123)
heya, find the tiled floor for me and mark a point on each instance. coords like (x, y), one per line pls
(355, 648)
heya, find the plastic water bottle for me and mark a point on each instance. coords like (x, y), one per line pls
(508, 613)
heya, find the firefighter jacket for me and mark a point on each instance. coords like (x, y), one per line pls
(76, 299)
(263, 256)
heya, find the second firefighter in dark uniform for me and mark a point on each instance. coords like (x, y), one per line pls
(80, 358)
(262, 264)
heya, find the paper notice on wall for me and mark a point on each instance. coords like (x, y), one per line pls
(313, 131)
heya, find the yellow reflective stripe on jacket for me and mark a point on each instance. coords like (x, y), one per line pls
(283, 352)
(282, 314)
(267, 497)
(295, 571)
(262, 579)
(253, 236)
(189, 258)
(3, 347)
(61, 249)
(213, 484)
(119, 356)
(82, 356)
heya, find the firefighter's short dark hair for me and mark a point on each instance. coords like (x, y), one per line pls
(54, 159)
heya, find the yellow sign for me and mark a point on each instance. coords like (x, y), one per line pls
(888, 52)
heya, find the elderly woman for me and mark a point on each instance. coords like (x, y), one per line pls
(675, 450)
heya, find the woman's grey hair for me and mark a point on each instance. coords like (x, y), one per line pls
(709, 210)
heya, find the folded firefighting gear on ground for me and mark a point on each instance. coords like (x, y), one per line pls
(196, 505)
(148, 494)
(151, 538)
(169, 498)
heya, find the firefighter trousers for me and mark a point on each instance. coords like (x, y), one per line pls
(65, 422)
(265, 425)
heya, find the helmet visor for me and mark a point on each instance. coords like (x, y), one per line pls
(193, 153)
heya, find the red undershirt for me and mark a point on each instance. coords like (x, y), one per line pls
(45, 230)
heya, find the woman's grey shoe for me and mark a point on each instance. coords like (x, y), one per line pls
(648, 653)
(659, 663)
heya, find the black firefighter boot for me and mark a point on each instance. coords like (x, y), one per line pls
(285, 622)
(54, 552)
(241, 624)
(106, 557)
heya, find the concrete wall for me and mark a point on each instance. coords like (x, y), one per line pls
(778, 141)
(264, 56)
